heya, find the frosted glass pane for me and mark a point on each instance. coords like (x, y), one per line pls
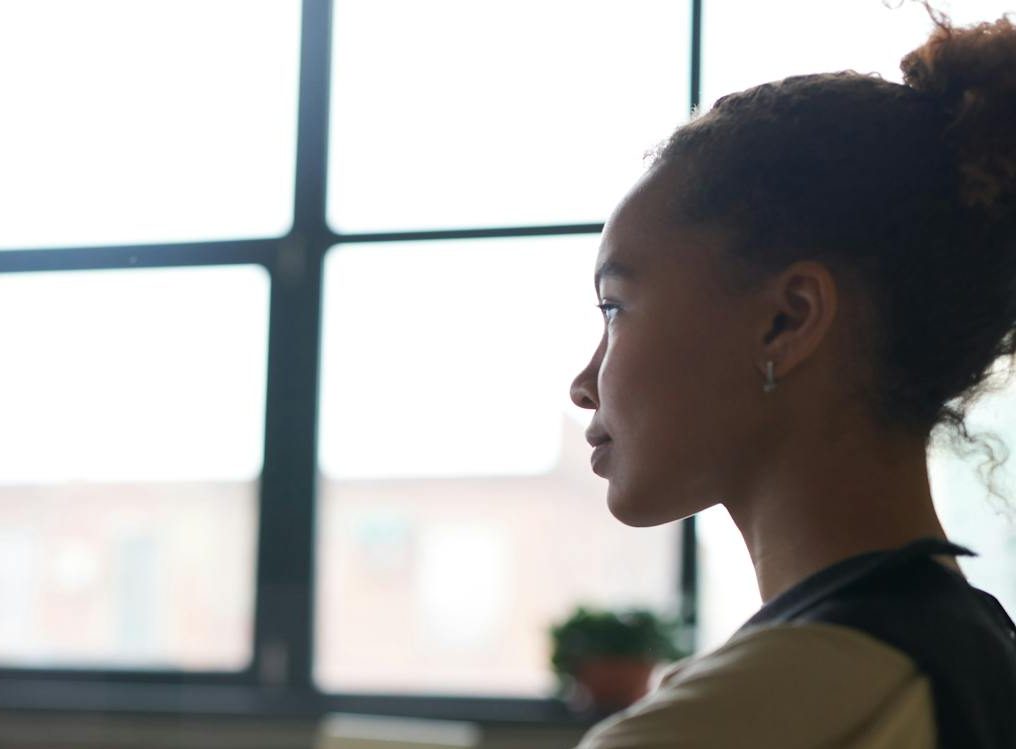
(453, 358)
(133, 405)
(458, 512)
(746, 43)
(728, 590)
(459, 113)
(113, 575)
(146, 120)
(133, 375)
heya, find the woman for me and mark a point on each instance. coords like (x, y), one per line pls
(808, 279)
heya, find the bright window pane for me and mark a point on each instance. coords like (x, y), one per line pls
(458, 512)
(469, 113)
(745, 44)
(146, 120)
(971, 516)
(133, 405)
(728, 590)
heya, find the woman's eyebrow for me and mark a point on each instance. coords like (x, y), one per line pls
(613, 269)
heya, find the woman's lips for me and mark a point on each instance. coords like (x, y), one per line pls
(599, 453)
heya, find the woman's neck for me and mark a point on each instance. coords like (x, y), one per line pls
(836, 502)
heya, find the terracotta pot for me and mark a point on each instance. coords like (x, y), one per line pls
(614, 682)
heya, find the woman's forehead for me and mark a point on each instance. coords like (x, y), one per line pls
(639, 249)
(636, 222)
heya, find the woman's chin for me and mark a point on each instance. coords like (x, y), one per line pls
(646, 508)
(638, 511)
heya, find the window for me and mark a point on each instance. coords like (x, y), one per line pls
(134, 389)
(133, 405)
(450, 454)
(469, 114)
(158, 121)
(458, 515)
(217, 212)
(293, 295)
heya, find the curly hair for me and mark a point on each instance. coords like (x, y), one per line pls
(906, 192)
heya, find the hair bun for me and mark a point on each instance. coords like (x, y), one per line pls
(972, 71)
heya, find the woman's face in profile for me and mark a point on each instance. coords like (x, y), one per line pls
(672, 382)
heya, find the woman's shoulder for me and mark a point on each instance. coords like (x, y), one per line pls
(957, 635)
(884, 649)
(798, 684)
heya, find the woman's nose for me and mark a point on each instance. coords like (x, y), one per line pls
(583, 387)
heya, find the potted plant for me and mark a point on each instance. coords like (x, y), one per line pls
(604, 659)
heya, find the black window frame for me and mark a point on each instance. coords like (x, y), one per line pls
(279, 679)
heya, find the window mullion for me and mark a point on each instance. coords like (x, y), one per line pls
(284, 616)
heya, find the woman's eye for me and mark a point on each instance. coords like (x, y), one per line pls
(606, 308)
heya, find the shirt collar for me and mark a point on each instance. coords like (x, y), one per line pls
(841, 574)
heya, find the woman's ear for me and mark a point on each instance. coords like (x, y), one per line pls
(798, 311)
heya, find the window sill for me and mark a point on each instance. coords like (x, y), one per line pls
(236, 701)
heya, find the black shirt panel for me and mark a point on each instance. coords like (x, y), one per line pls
(958, 635)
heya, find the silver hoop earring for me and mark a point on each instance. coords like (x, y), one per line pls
(770, 383)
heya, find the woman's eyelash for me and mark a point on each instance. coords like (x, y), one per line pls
(605, 306)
